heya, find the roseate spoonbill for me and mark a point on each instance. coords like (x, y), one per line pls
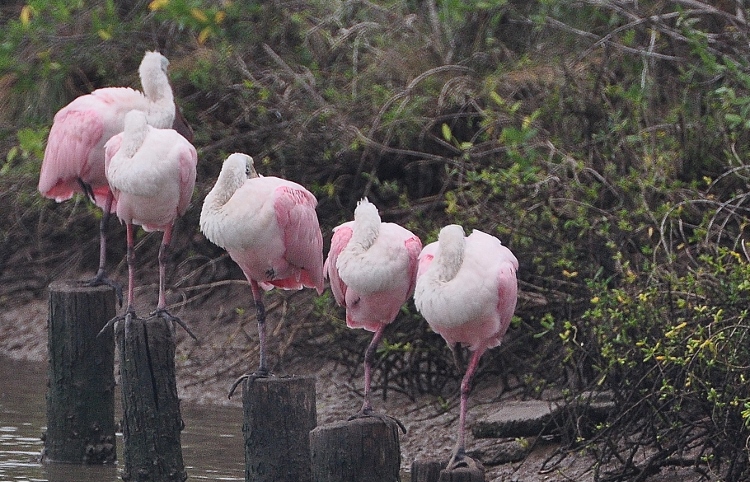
(270, 229)
(372, 267)
(152, 175)
(467, 291)
(74, 156)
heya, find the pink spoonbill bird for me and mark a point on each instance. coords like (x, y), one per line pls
(74, 156)
(270, 229)
(467, 291)
(152, 175)
(372, 268)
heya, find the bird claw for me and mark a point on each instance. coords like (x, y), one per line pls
(251, 377)
(367, 412)
(101, 279)
(167, 316)
(128, 316)
(459, 460)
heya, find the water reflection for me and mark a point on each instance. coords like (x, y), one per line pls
(211, 442)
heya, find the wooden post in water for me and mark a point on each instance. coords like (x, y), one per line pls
(151, 409)
(279, 413)
(81, 380)
(363, 450)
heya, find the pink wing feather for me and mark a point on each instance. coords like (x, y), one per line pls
(295, 213)
(75, 143)
(507, 290)
(413, 247)
(340, 239)
(425, 258)
(73, 136)
(111, 148)
(188, 163)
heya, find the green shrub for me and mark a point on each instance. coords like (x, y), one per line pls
(605, 143)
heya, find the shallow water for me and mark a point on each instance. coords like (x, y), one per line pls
(212, 445)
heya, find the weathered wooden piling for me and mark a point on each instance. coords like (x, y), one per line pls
(431, 470)
(279, 413)
(363, 449)
(151, 409)
(427, 470)
(81, 380)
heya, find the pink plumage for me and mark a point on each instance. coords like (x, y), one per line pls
(268, 225)
(485, 282)
(372, 268)
(152, 175)
(74, 156)
(75, 146)
(467, 291)
(270, 229)
(372, 275)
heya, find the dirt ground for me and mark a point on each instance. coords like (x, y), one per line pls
(226, 347)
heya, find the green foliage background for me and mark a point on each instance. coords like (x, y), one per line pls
(606, 143)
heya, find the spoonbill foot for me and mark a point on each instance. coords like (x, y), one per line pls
(101, 279)
(250, 377)
(167, 316)
(459, 459)
(129, 315)
(368, 412)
